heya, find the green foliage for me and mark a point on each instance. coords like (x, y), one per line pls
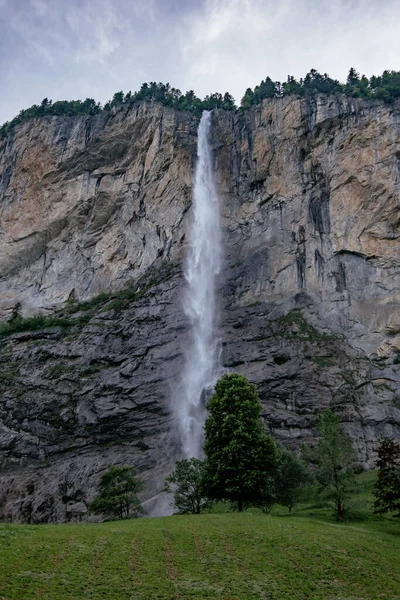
(322, 361)
(67, 108)
(267, 496)
(241, 458)
(9, 372)
(117, 497)
(293, 325)
(385, 87)
(293, 475)
(186, 485)
(387, 487)
(67, 317)
(56, 371)
(335, 460)
(19, 324)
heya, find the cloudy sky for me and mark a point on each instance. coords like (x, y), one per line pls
(65, 49)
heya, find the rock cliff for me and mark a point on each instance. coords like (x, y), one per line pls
(94, 220)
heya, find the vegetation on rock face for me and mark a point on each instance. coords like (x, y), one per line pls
(384, 87)
(18, 324)
(387, 487)
(78, 314)
(335, 460)
(186, 485)
(241, 458)
(117, 497)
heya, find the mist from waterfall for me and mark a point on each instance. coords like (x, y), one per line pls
(201, 367)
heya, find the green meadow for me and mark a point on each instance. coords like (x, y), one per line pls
(228, 556)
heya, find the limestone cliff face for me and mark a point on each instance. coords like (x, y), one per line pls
(309, 292)
(88, 203)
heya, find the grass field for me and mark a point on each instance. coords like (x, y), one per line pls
(226, 556)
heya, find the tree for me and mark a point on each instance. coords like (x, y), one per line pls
(292, 477)
(228, 102)
(387, 487)
(335, 461)
(240, 456)
(268, 493)
(186, 485)
(118, 98)
(247, 99)
(292, 87)
(353, 77)
(117, 497)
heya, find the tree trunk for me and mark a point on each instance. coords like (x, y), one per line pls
(340, 511)
(240, 505)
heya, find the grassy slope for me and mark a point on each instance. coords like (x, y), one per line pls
(224, 556)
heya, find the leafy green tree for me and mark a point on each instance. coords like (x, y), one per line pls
(315, 83)
(228, 102)
(117, 495)
(212, 101)
(118, 98)
(353, 77)
(186, 485)
(385, 87)
(292, 87)
(247, 99)
(240, 456)
(268, 493)
(387, 487)
(335, 460)
(293, 475)
(266, 89)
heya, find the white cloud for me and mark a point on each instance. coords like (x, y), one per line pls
(93, 48)
(39, 7)
(235, 44)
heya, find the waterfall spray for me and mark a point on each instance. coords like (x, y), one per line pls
(203, 264)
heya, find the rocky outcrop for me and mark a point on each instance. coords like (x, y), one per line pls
(309, 292)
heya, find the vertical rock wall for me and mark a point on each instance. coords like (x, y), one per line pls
(309, 292)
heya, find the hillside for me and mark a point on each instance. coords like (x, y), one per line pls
(229, 556)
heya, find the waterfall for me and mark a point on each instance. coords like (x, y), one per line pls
(203, 264)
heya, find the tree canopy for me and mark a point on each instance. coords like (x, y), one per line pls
(240, 456)
(117, 495)
(293, 475)
(387, 487)
(335, 461)
(384, 87)
(186, 485)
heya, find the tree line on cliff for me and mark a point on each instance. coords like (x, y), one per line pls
(384, 87)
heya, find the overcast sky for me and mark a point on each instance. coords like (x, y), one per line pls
(66, 49)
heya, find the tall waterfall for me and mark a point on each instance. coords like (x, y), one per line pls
(202, 266)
